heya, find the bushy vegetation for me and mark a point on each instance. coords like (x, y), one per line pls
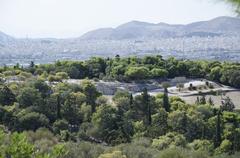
(44, 117)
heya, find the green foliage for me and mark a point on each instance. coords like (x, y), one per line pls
(159, 73)
(114, 154)
(202, 145)
(83, 150)
(106, 121)
(166, 104)
(91, 93)
(29, 97)
(32, 121)
(236, 4)
(126, 126)
(159, 124)
(182, 153)
(137, 73)
(60, 125)
(170, 140)
(19, 147)
(6, 96)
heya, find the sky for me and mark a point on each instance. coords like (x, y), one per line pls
(72, 18)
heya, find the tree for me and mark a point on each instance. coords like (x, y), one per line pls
(105, 120)
(234, 78)
(236, 5)
(73, 72)
(131, 100)
(197, 101)
(31, 67)
(202, 100)
(96, 66)
(137, 73)
(225, 147)
(202, 145)
(60, 125)
(62, 75)
(151, 60)
(215, 74)
(218, 137)
(143, 107)
(29, 97)
(42, 87)
(146, 103)
(71, 109)
(7, 97)
(159, 73)
(159, 124)
(166, 104)
(120, 94)
(6, 117)
(91, 93)
(227, 104)
(180, 86)
(32, 121)
(195, 127)
(178, 121)
(210, 101)
(52, 106)
(32, 64)
(19, 147)
(171, 139)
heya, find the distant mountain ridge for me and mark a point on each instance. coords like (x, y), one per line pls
(137, 29)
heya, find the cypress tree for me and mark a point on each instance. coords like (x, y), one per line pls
(218, 140)
(210, 101)
(146, 99)
(58, 106)
(197, 101)
(131, 100)
(166, 104)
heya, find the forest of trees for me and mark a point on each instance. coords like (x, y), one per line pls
(42, 116)
(130, 69)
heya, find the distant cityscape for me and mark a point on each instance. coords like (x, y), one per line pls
(209, 48)
(217, 39)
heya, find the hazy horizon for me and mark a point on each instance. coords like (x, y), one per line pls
(72, 18)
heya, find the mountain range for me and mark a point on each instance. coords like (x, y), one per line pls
(136, 29)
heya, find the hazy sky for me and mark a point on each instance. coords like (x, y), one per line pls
(71, 18)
